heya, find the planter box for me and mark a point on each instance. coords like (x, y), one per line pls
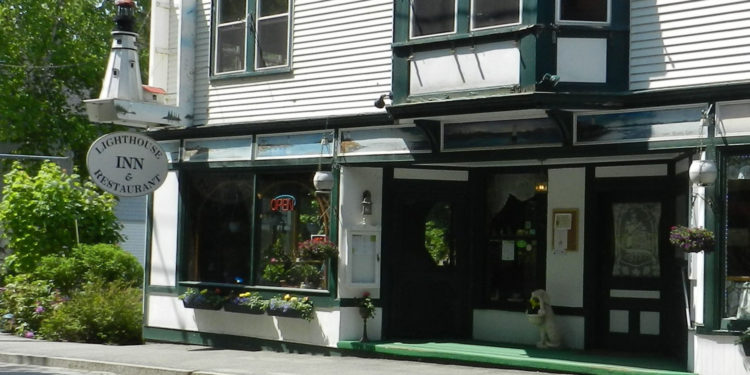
(243, 309)
(200, 305)
(289, 313)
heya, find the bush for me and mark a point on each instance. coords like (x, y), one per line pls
(87, 263)
(48, 214)
(28, 302)
(108, 313)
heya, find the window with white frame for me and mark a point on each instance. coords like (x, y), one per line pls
(255, 31)
(583, 11)
(439, 17)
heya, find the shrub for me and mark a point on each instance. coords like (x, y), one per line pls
(88, 263)
(49, 213)
(28, 302)
(100, 312)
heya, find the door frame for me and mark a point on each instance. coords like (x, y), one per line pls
(391, 188)
(665, 189)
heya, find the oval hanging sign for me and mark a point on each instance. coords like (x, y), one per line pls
(127, 164)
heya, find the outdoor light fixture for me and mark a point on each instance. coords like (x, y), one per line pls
(323, 180)
(551, 79)
(703, 172)
(366, 205)
(380, 102)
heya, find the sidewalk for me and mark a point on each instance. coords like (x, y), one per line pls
(171, 359)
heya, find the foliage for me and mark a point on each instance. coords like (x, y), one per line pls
(303, 272)
(202, 297)
(434, 241)
(98, 313)
(317, 249)
(49, 213)
(274, 271)
(366, 306)
(54, 60)
(691, 239)
(27, 303)
(289, 303)
(88, 263)
(250, 299)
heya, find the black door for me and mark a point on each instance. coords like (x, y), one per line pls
(426, 289)
(637, 298)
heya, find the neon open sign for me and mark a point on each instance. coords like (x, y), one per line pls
(283, 203)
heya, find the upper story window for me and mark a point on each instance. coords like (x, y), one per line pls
(439, 17)
(251, 35)
(583, 11)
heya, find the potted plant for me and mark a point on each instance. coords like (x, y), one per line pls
(274, 272)
(317, 249)
(202, 299)
(247, 302)
(691, 240)
(305, 275)
(291, 307)
(366, 310)
(532, 311)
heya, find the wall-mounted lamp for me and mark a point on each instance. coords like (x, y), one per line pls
(380, 102)
(366, 205)
(549, 79)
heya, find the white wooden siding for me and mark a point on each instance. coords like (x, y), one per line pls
(341, 63)
(688, 42)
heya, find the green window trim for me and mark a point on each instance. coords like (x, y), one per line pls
(247, 51)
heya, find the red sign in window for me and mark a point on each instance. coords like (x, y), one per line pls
(283, 203)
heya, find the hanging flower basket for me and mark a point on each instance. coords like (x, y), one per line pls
(692, 240)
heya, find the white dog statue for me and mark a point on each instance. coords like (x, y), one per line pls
(549, 336)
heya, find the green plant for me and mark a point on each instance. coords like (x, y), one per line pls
(304, 273)
(27, 302)
(249, 299)
(98, 313)
(51, 212)
(202, 297)
(88, 263)
(303, 307)
(691, 239)
(366, 306)
(317, 249)
(274, 271)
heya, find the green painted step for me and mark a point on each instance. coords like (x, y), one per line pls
(560, 360)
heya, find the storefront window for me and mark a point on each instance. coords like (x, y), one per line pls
(219, 233)
(290, 213)
(245, 228)
(738, 237)
(516, 248)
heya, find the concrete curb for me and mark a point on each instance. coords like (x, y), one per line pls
(98, 366)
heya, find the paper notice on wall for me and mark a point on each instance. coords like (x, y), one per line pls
(560, 240)
(509, 250)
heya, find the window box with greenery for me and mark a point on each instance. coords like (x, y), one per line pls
(251, 37)
(290, 306)
(247, 303)
(202, 299)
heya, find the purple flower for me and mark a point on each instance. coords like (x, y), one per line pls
(28, 335)
(39, 309)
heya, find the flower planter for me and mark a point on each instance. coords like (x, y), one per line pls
(200, 305)
(231, 307)
(535, 319)
(288, 313)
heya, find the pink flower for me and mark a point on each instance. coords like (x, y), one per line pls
(29, 335)
(366, 294)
